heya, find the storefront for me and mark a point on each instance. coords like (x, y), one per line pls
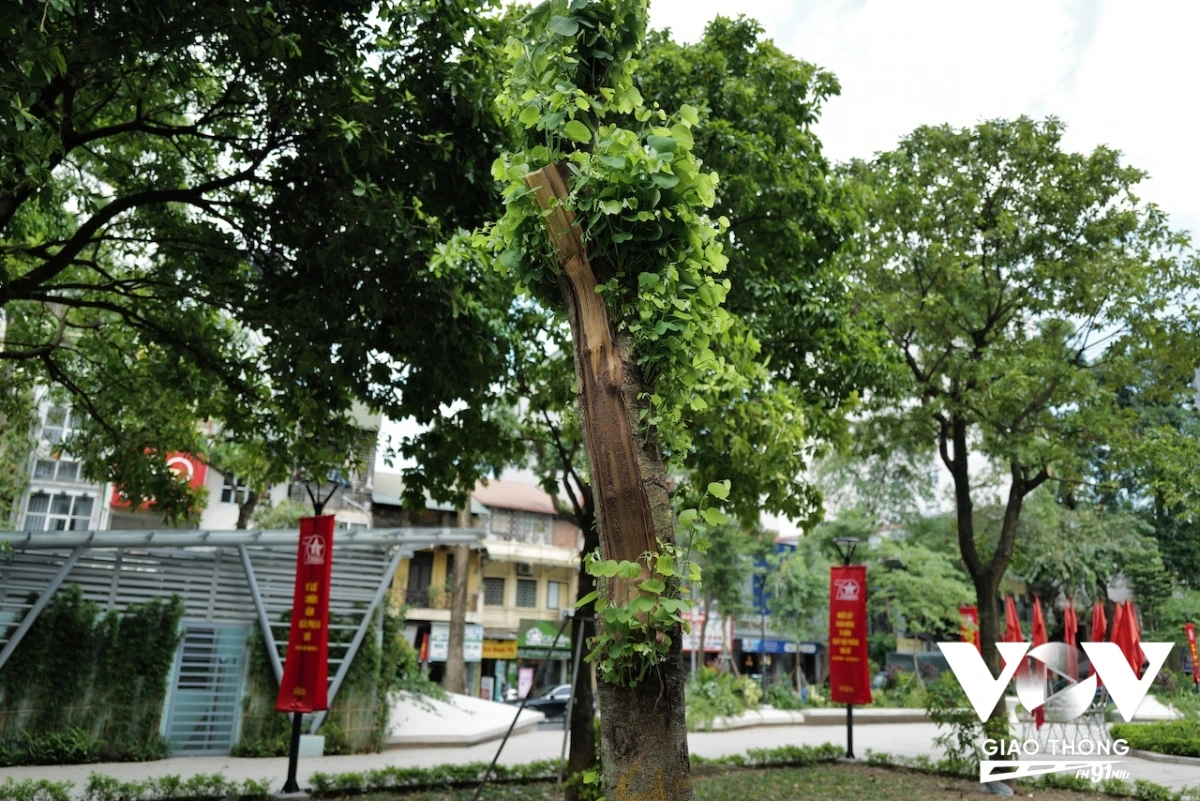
(534, 640)
(499, 660)
(438, 645)
(717, 633)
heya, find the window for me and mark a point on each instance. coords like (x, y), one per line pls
(527, 593)
(233, 490)
(61, 512)
(555, 594)
(67, 471)
(64, 470)
(55, 424)
(493, 591)
(531, 527)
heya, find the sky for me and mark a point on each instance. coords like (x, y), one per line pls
(1118, 73)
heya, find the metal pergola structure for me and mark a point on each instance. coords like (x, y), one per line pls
(215, 573)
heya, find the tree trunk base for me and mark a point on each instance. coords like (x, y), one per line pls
(644, 743)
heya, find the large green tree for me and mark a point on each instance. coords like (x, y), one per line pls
(221, 211)
(759, 429)
(1020, 283)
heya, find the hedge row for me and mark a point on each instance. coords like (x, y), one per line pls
(470, 774)
(1175, 737)
(1140, 790)
(201, 787)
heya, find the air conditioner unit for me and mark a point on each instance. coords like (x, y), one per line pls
(524, 569)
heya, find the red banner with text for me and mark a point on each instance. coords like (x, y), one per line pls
(305, 684)
(968, 623)
(1190, 630)
(849, 674)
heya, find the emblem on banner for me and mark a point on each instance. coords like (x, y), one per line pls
(314, 550)
(847, 589)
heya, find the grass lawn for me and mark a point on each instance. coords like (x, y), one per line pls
(818, 783)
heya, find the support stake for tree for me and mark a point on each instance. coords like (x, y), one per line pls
(540, 671)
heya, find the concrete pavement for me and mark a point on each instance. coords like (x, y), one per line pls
(903, 739)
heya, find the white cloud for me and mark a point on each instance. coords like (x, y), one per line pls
(1121, 74)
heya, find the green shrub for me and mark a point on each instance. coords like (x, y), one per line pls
(114, 667)
(202, 786)
(712, 694)
(1118, 788)
(1149, 791)
(781, 696)
(1175, 737)
(948, 707)
(35, 790)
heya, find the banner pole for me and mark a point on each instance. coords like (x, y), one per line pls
(845, 547)
(290, 786)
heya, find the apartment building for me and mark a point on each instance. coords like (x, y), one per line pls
(519, 579)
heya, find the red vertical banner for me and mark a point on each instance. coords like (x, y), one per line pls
(849, 674)
(968, 622)
(305, 684)
(1190, 630)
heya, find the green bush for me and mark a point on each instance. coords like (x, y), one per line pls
(167, 788)
(114, 668)
(712, 694)
(781, 696)
(1149, 791)
(1175, 737)
(948, 707)
(35, 790)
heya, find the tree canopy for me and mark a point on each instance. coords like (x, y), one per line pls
(1021, 284)
(217, 211)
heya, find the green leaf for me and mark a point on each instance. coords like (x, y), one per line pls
(655, 586)
(687, 517)
(576, 131)
(564, 26)
(529, 116)
(662, 144)
(689, 114)
(719, 489)
(629, 570)
(587, 599)
(665, 179)
(682, 135)
(613, 161)
(715, 517)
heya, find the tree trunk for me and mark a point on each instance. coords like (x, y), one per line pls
(986, 576)
(727, 646)
(246, 509)
(643, 733)
(583, 716)
(455, 669)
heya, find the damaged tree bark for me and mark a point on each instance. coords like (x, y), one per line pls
(643, 733)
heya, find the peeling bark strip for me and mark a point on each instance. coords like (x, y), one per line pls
(643, 732)
(627, 527)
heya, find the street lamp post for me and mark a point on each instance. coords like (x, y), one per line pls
(845, 548)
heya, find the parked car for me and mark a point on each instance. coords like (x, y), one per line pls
(551, 700)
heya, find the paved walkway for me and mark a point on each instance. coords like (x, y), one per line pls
(905, 739)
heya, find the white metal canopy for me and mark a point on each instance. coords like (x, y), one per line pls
(245, 576)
